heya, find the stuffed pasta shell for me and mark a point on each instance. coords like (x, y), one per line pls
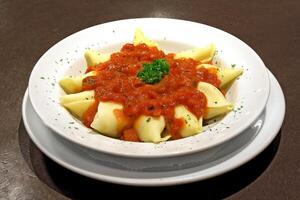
(142, 94)
(204, 54)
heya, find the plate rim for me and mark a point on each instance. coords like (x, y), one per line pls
(157, 154)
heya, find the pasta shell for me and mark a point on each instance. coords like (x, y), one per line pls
(74, 84)
(81, 96)
(140, 38)
(78, 108)
(107, 121)
(94, 58)
(225, 74)
(216, 102)
(203, 55)
(192, 125)
(150, 128)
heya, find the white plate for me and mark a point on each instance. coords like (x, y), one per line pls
(66, 57)
(180, 170)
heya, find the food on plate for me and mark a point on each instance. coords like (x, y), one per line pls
(139, 38)
(149, 129)
(204, 55)
(78, 103)
(142, 94)
(226, 75)
(216, 104)
(94, 57)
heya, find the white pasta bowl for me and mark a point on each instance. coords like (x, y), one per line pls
(249, 94)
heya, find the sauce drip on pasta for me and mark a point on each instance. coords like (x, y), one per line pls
(117, 81)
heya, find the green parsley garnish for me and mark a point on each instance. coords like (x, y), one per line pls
(154, 72)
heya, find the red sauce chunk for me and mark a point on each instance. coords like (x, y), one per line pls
(117, 81)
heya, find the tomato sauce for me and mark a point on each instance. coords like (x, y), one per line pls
(89, 115)
(117, 81)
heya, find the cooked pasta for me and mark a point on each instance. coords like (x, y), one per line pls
(150, 129)
(107, 121)
(141, 94)
(204, 55)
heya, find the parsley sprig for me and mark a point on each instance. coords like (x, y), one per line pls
(154, 72)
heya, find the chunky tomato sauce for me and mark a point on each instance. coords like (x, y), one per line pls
(117, 81)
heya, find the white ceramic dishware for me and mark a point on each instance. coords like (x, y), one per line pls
(160, 171)
(249, 94)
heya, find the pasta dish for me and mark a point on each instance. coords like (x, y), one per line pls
(142, 94)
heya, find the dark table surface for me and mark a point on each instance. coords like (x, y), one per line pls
(29, 28)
